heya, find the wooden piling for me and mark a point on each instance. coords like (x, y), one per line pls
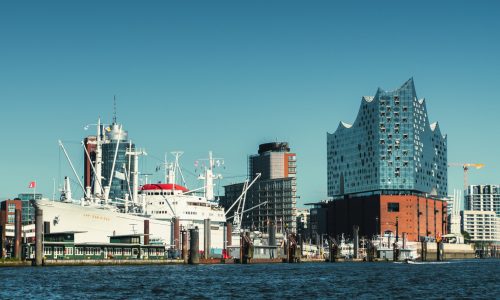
(185, 253)
(38, 237)
(355, 241)
(146, 232)
(229, 232)
(17, 234)
(194, 256)
(423, 250)
(206, 238)
(176, 234)
(2, 239)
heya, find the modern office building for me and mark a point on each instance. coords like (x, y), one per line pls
(390, 148)
(277, 185)
(116, 142)
(481, 217)
(483, 198)
(388, 169)
(28, 210)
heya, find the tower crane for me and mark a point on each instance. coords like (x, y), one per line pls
(466, 167)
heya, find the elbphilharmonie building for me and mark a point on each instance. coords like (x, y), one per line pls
(391, 148)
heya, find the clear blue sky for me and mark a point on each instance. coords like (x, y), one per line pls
(228, 75)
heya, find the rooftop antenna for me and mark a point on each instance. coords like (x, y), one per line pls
(114, 109)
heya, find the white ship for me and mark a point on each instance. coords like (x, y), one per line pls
(151, 211)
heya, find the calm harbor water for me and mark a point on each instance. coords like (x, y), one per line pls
(454, 279)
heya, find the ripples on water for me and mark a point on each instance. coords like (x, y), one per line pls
(456, 279)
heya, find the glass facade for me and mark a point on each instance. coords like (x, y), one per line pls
(119, 186)
(483, 198)
(390, 147)
(277, 187)
(28, 210)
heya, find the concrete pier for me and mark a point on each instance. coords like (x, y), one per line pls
(194, 255)
(38, 237)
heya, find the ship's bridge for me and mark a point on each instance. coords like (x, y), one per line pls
(163, 189)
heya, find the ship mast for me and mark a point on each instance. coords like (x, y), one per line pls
(209, 176)
(98, 159)
(172, 169)
(135, 173)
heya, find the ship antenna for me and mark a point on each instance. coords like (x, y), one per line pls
(114, 109)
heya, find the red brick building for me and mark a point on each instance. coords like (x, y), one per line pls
(417, 216)
(8, 242)
(90, 145)
(8, 211)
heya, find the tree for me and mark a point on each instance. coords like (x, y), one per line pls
(467, 237)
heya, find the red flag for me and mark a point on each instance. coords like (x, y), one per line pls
(32, 185)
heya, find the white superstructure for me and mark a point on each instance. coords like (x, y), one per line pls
(152, 207)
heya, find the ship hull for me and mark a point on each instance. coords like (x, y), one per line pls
(96, 225)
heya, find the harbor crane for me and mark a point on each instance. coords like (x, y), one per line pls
(466, 167)
(240, 210)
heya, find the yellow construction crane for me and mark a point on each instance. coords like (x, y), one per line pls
(466, 167)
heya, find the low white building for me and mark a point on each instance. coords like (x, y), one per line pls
(482, 226)
(481, 217)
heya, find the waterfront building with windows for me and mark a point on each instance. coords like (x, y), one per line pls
(8, 226)
(391, 146)
(63, 246)
(481, 216)
(277, 185)
(482, 226)
(28, 210)
(116, 141)
(483, 198)
(388, 169)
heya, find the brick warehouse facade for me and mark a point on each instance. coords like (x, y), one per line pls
(418, 216)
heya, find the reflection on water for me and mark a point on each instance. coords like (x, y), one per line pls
(454, 279)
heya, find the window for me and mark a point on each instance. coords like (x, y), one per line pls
(393, 207)
(11, 219)
(58, 251)
(12, 207)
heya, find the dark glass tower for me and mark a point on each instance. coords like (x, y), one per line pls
(119, 186)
